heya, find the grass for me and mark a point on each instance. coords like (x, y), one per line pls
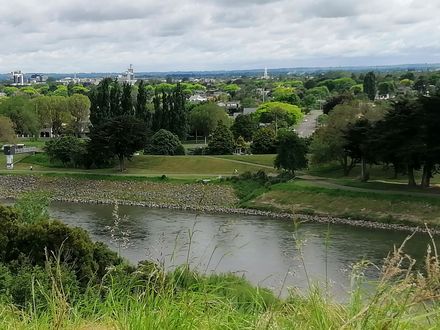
(304, 197)
(190, 166)
(183, 299)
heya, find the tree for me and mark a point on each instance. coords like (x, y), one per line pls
(142, 111)
(205, 117)
(291, 152)
(370, 85)
(357, 144)
(120, 136)
(100, 102)
(164, 142)
(127, 108)
(222, 141)
(231, 89)
(79, 108)
(328, 141)
(271, 112)
(385, 87)
(396, 140)
(68, 150)
(7, 133)
(244, 126)
(286, 95)
(264, 141)
(336, 100)
(21, 111)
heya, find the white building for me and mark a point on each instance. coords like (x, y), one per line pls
(128, 76)
(18, 78)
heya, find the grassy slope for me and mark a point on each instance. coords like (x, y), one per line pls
(304, 197)
(156, 165)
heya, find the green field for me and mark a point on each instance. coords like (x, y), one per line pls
(158, 165)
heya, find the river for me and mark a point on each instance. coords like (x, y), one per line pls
(268, 252)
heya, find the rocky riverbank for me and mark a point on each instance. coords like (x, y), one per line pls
(209, 198)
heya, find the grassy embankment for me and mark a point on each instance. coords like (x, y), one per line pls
(328, 192)
(147, 165)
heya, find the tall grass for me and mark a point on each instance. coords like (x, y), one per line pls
(402, 298)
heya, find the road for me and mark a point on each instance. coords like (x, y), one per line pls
(308, 125)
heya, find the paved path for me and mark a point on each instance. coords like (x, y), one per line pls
(308, 125)
(243, 162)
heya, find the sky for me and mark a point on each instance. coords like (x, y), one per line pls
(182, 35)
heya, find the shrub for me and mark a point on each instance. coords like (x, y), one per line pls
(69, 150)
(222, 141)
(264, 141)
(164, 142)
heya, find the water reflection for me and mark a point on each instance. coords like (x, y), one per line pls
(264, 250)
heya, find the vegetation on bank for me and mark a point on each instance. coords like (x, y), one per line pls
(53, 276)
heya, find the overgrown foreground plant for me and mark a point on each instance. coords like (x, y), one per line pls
(49, 289)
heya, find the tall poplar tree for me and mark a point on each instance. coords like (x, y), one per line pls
(370, 85)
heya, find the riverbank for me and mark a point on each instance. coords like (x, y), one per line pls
(195, 197)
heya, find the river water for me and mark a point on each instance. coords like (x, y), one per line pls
(271, 253)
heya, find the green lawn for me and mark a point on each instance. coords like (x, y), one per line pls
(155, 165)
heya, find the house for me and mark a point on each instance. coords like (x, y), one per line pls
(248, 111)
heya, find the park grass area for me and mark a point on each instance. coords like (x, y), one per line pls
(266, 160)
(191, 166)
(307, 198)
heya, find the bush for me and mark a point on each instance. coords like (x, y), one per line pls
(164, 142)
(31, 244)
(222, 141)
(264, 141)
(69, 150)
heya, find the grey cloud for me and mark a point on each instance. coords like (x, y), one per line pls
(98, 35)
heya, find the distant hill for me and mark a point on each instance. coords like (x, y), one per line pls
(246, 73)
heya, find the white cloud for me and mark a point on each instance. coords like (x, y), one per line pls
(106, 35)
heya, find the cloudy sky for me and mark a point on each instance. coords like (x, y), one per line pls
(107, 35)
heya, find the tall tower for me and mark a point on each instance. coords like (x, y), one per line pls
(265, 76)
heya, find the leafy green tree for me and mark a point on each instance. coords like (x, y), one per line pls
(328, 141)
(120, 136)
(370, 85)
(79, 108)
(142, 111)
(10, 91)
(205, 117)
(396, 139)
(222, 141)
(264, 141)
(100, 102)
(385, 87)
(7, 133)
(291, 152)
(60, 91)
(69, 150)
(271, 112)
(127, 108)
(164, 142)
(21, 111)
(357, 144)
(231, 89)
(244, 126)
(286, 95)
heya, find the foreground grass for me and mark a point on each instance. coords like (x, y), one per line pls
(304, 197)
(186, 300)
